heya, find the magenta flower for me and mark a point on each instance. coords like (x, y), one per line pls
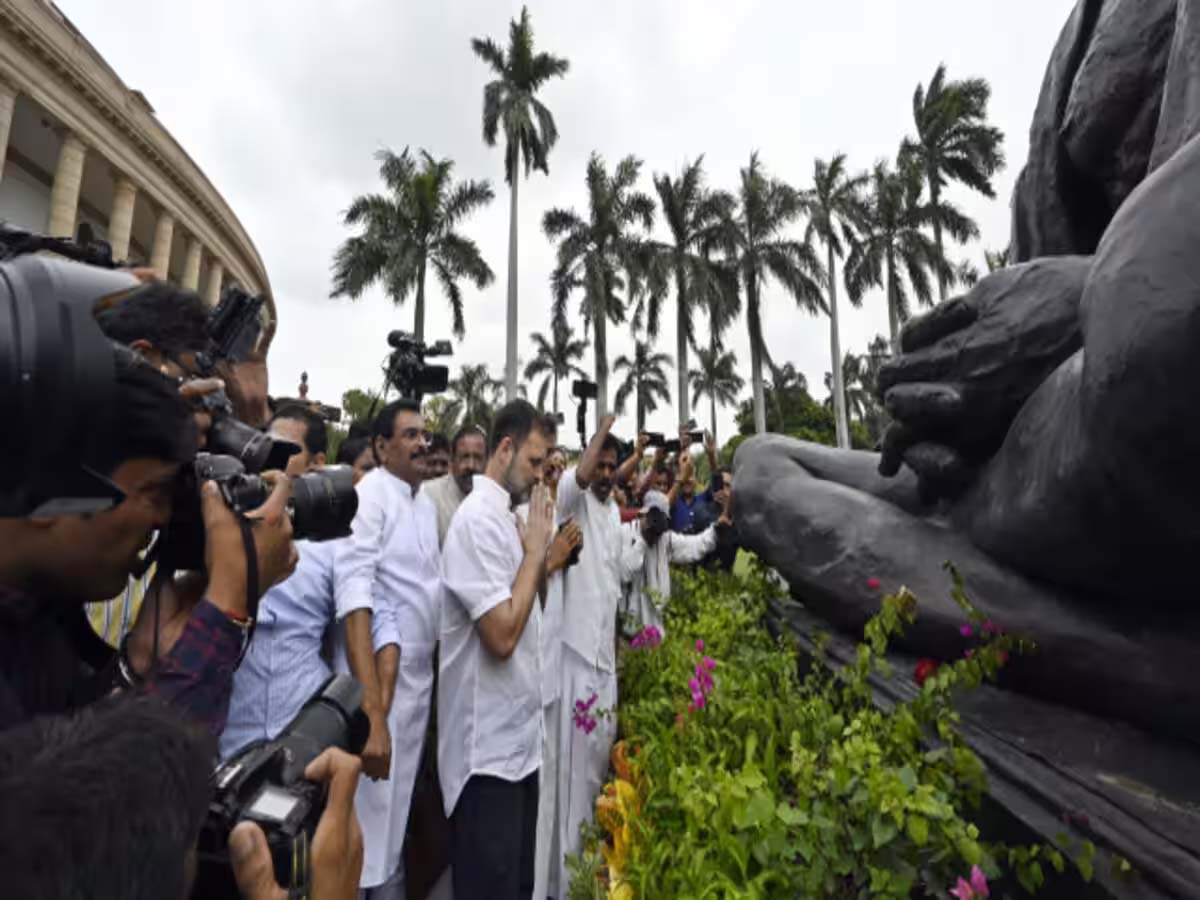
(700, 701)
(873, 583)
(990, 627)
(709, 663)
(966, 631)
(591, 700)
(977, 888)
(693, 685)
(700, 645)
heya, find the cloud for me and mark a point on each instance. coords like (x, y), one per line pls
(284, 104)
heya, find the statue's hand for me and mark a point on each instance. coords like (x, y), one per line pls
(967, 366)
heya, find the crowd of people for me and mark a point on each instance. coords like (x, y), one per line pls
(486, 584)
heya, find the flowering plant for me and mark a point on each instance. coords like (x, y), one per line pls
(768, 781)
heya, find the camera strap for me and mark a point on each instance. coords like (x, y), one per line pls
(251, 583)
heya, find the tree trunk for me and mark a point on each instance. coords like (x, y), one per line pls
(712, 407)
(681, 348)
(934, 199)
(756, 361)
(841, 425)
(510, 354)
(419, 313)
(893, 312)
(556, 393)
(599, 328)
(641, 409)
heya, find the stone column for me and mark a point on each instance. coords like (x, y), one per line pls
(216, 272)
(64, 196)
(8, 102)
(191, 265)
(160, 255)
(120, 222)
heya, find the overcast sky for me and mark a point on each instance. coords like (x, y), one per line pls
(283, 104)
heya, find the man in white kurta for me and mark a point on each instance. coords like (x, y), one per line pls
(592, 592)
(388, 570)
(650, 548)
(490, 679)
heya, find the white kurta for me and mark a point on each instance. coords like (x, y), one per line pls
(592, 593)
(489, 709)
(648, 568)
(391, 565)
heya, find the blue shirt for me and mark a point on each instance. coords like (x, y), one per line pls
(283, 666)
(683, 515)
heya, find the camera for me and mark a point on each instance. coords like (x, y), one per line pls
(584, 389)
(57, 381)
(655, 439)
(672, 446)
(322, 505)
(407, 370)
(265, 783)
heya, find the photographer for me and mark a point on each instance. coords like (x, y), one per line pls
(387, 591)
(107, 803)
(50, 567)
(649, 551)
(283, 665)
(356, 452)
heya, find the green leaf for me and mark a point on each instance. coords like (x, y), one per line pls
(791, 815)
(918, 830)
(883, 830)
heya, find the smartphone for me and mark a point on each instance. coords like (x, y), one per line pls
(671, 446)
(654, 439)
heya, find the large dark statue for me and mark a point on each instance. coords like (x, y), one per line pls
(1047, 427)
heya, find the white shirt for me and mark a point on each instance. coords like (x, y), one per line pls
(648, 569)
(593, 587)
(552, 617)
(489, 709)
(446, 496)
(390, 564)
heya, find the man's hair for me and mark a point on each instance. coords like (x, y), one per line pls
(516, 420)
(174, 320)
(104, 804)
(316, 438)
(351, 449)
(385, 423)
(438, 443)
(467, 431)
(611, 445)
(152, 420)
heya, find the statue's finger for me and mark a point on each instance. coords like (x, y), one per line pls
(896, 440)
(923, 405)
(929, 328)
(942, 471)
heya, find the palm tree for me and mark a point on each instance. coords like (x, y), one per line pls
(716, 377)
(601, 255)
(510, 103)
(755, 242)
(644, 378)
(695, 217)
(555, 358)
(476, 393)
(895, 243)
(835, 209)
(955, 143)
(854, 373)
(997, 259)
(410, 229)
(441, 414)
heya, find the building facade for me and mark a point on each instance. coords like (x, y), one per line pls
(80, 148)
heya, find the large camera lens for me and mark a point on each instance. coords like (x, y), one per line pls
(333, 717)
(324, 503)
(257, 451)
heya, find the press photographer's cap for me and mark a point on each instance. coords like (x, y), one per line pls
(655, 500)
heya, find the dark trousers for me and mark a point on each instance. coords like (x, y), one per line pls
(493, 831)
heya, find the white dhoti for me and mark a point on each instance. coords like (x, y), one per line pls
(546, 860)
(382, 806)
(582, 758)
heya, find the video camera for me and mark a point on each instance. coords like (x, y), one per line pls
(583, 390)
(407, 370)
(265, 783)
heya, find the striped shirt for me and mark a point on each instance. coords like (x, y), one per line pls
(113, 619)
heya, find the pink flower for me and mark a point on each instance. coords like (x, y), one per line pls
(966, 631)
(692, 706)
(700, 645)
(694, 685)
(579, 707)
(968, 653)
(700, 701)
(873, 583)
(591, 700)
(989, 627)
(975, 890)
(709, 663)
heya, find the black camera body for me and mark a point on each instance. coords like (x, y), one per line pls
(584, 389)
(264, 783)
(322, 505)
(407, 369)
